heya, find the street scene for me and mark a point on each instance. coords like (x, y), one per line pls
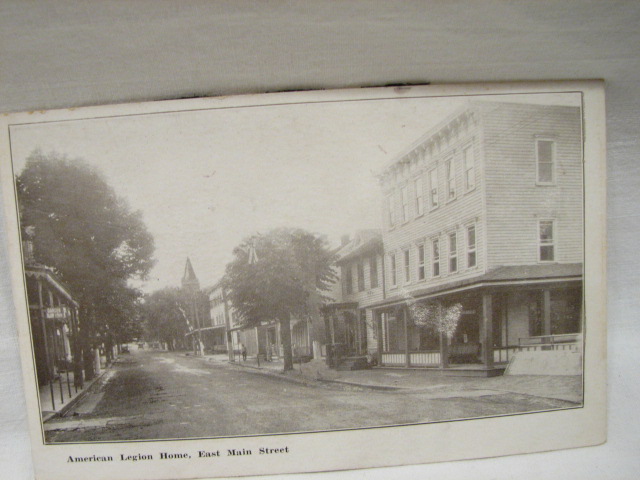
(252, 271)
(153, 394)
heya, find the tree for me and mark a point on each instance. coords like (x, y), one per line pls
(276, 276)
(438, 318)
(89, 236)
(164, 317)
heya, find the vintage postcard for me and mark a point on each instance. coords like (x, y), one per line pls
(309, 281)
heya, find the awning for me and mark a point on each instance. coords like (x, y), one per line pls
(511, 275)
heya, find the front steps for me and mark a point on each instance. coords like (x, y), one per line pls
(353, 363)
(546, 362)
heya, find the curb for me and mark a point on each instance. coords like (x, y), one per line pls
(310, 381)
(270, 373)
(369, 386)
(314, 381)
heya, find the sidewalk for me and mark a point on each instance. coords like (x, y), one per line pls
(65, 395)
(431, 381)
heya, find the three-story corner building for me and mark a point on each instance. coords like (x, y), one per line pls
(485, 210)
(349, 325)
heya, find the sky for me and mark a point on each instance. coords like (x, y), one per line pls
(206, 179)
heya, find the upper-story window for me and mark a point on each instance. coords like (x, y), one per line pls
(421, 270)
(360, 276)
(391, 210)
(404, 194)
(393, 269)
(407, 267)
(471, 246)
(435, 257)
(348, 280)
(433, 188)
(469, 168)
(419, 196)
(545, 161)
(453, 252)
(373, 271)
(546, 240)
(450, 172)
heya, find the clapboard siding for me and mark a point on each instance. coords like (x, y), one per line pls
(369, 295)
(515, 203)
(454, 215)
(506, 203)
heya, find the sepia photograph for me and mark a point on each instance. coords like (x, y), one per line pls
(272, 265)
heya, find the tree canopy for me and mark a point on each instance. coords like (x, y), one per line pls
(87, 234)
(165, 319)
(290, 268)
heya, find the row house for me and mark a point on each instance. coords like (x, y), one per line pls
(264, 339)
(349, 323)
(214, 326)
(485, 210)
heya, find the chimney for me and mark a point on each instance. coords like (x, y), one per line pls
(344, 240)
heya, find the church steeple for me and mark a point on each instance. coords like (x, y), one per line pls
(189, 279)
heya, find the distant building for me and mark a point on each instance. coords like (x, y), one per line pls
(484, 210)
(307, 336)
(264, 339)
(217, 336)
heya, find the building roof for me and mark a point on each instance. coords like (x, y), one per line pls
(460, 115)
(505, 275)
(212, 288)
(189, 278)
(364, 241)
(432, 132)
(46, 273)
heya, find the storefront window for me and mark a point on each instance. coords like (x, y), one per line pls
(565, 311)
(536, 314)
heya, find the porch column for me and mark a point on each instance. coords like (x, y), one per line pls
(378, 322)
(444, 351)
(78, 378)
(405, 319)
(332, 320)
(257, 342)
(546, 306)
(309, 326)
(358, 333)
(487, 330)
(45, 342)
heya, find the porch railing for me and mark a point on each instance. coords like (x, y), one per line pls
(417, 359)
(421, 359)
(504, 354)
(570, 341)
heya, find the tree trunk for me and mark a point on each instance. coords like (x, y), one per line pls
(108, 349)
(285, 340)
(86, 335)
